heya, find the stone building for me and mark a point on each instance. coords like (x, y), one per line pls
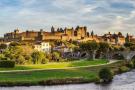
(79, 34)
(59, 34)
(42, 46)
(114, 39)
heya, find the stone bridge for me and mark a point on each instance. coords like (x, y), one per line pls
(76, 55)
(128, 55)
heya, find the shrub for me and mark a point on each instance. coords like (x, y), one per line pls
(7, 64)
(130, 64)
(105, 75)
(123, 69)
(44, 61)
(134, 63)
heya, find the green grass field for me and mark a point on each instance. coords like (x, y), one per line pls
(86, 73)
(33, 77)
(58, 65)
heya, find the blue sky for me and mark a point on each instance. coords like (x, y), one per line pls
(99, 15)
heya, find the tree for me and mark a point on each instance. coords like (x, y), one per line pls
(37, 57)
(130, 45)
(104, 48)
(28, 59)
(127, 38)
(92, 33)
(90, 47)
(119, 34)
(13, 52)
(105, 75)
(2, 56)
(14, 44)
(3, 46)
(44, 61)
(20, 60)
(18, 53)
(115, 48)
(27, 49)
(76, 49)
(122, 48)
(56, 56)
(52, 29)
(132, 48)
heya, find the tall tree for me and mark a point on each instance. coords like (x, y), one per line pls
(56, 56)
(52, 29)
(13, 51)
(37, 57)
(127, 39)
(92, 33)
(90, 47)
(104, 49)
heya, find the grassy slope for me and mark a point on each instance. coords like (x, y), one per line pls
(57, 65)
(89, 73)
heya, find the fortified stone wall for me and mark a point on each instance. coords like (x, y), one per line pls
(78, 33)
(67, 34)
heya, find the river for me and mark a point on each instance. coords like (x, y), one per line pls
(125, 81)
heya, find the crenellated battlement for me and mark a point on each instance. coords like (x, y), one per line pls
(55, 34)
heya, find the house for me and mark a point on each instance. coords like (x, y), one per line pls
(42, 46)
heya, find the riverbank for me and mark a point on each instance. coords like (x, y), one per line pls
(120, 82)
(54, 77)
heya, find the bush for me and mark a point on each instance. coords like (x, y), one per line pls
(134, 63)
(130, 64)
(44, 61)
(123, 69)
(105, 75)
(7, 64)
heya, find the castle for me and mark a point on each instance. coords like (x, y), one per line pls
(77, 34)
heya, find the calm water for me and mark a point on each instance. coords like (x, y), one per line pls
(124, 81)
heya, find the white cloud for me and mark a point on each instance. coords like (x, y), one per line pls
(97, 15)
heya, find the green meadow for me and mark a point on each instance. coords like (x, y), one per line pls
(58, 65)
(89, 73)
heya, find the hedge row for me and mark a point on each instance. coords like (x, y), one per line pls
(7, 64)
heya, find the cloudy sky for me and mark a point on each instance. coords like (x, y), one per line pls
(99, 15)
